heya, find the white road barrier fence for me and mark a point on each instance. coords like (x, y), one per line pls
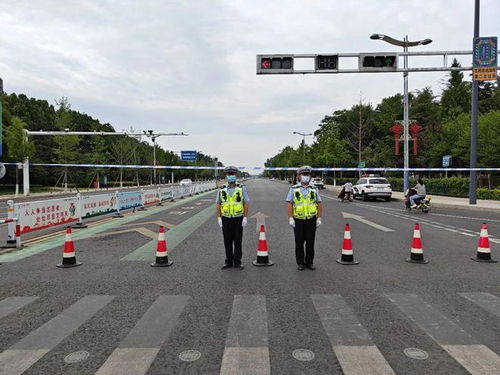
(37, 215)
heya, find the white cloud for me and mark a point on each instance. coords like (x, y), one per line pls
(190, 66)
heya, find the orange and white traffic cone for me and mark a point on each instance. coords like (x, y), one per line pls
(161, 251)
(417, 252)
(69, 259)
(262, 253)
(347, 257)
(483, 248)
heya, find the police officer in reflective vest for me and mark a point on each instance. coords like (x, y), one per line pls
(232, 211)
(304, 215)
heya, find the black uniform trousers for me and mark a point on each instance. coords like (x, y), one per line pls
(233, 234)
(305, 231)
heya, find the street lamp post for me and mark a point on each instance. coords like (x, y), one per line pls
(304, 135)
(153, 136)
(405, 44)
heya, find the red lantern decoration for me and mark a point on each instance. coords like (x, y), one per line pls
(415, 128)
(397, 130)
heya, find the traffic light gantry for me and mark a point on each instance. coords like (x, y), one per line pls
(368, 62)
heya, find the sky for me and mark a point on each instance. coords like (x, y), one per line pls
(190, 66)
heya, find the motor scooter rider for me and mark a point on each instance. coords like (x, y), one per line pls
(420, 193)
(347, 187)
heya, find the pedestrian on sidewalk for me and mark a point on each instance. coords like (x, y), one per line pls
(232, 212)
(421, 192)
(304, 215)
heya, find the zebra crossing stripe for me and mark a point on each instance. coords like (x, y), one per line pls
(247, 348)
(137, 351)
(487, 301)
(467, 350)
(19, 357)
(11, 304)
(350, 341)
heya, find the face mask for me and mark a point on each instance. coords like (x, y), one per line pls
(305, 179)
(231, 178)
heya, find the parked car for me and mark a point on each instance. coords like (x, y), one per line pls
(318, 182)
(185, 181)
(372, 187)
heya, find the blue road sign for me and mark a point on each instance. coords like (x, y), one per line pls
(485, 52)
(188, 155)
(446, 161)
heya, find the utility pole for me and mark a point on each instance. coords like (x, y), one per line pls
(360, 134)
(473, 120)
(406, 125)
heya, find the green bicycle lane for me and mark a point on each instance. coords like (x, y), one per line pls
(175, 235)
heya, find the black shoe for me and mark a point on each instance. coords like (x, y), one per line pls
(301, 267)
(226, 266)
(239, 266)
(311, 267)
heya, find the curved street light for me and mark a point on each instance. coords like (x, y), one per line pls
(400, 43)
(405, 43)
(304, 135)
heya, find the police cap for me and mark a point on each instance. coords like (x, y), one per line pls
(231, 169)
(304, 169)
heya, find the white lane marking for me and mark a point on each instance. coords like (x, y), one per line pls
(466, 349)
(247, 346)
(350, 341)
(487, 301)
(22, 355)
(137, 351)
(348, 215)
(178, 212)
(450, 228)
(326, 196)
(477, 359)
(432, 213)
(11, 304)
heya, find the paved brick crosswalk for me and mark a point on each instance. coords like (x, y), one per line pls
(247, 349)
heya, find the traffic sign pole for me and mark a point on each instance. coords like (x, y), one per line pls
(473, 125)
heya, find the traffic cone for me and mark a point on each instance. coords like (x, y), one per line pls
(417, 252)
(347, 257)
(262, 254)
(483, 247)
(161, 251)
(69, 259)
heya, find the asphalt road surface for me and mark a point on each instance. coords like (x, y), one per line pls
(117, 315)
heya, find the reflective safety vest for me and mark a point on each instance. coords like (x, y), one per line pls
(231, 206)
(304, 207)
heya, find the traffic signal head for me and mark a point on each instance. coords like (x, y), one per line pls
(274, 64)
(378, 62)
(327, 62)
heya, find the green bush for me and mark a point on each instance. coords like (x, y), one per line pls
(492, 194)
(452, 187)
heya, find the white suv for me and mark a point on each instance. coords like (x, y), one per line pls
(185, 182)
(372, 187)
(318, 182)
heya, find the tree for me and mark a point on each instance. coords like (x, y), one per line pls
(18, 145)
(66, 146)
(456, 97)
